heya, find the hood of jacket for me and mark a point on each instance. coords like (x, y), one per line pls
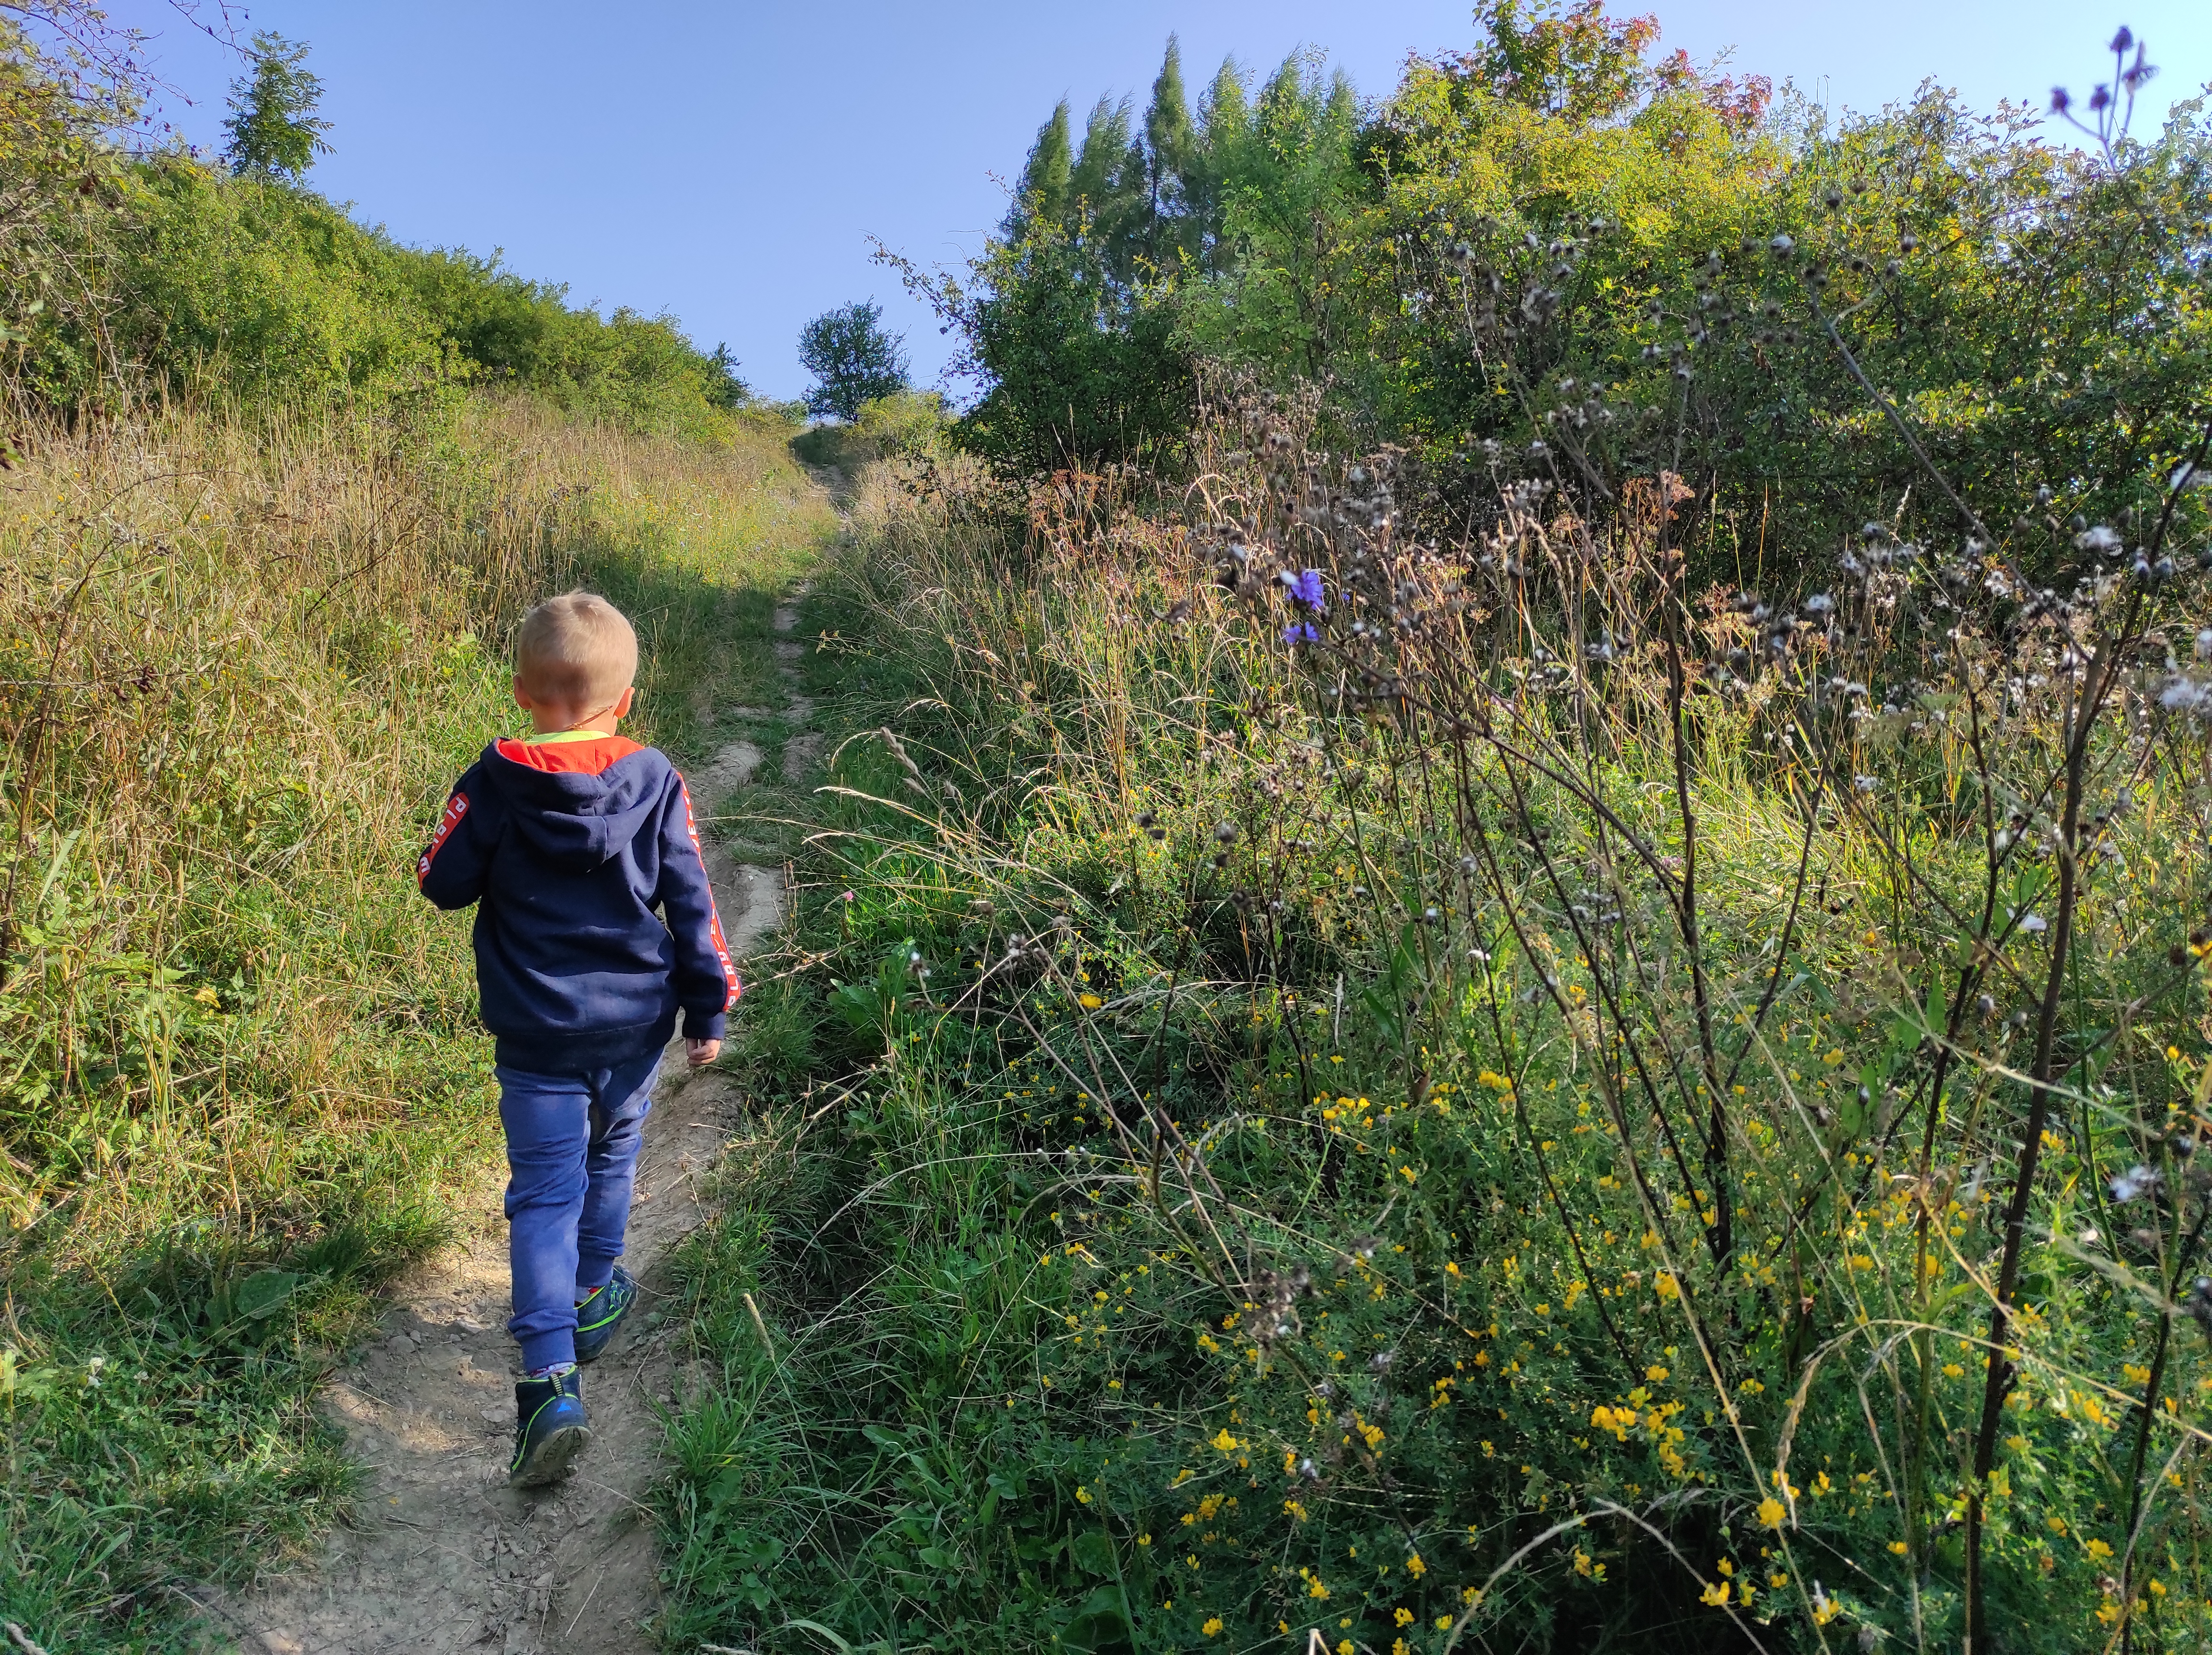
(578, 820)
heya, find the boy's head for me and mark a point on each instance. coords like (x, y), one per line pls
(574, 659)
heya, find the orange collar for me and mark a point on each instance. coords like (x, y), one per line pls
(571, 754)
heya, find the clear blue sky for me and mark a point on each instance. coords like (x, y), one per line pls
(728, 162)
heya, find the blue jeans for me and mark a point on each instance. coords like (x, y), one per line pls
(572, 1143)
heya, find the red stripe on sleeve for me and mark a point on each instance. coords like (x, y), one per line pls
(456, 808)
(714, 917)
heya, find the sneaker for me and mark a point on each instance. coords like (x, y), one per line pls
(598, 1316)
(550, 1428)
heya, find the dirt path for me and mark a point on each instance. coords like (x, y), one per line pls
(442, 1556)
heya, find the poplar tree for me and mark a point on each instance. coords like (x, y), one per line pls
(1225, 111)
(1097, 177)
(1045, 177)
(1108, 192)
(1223, 118)
(1171, 145)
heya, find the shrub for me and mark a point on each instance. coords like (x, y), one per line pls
(909, 426)
(1415, 1068)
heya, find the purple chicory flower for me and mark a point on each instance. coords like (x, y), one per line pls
(1300, 631)
(1306, 593)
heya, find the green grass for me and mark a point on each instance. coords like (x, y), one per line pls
(242, 1075)
(1357, 1325)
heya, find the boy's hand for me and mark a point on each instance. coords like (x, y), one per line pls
(700, 1053)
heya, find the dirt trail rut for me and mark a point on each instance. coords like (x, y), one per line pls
(442, 1556)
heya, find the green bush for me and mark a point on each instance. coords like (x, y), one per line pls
(910, 426)
(252, 289)
(256, 289)
(1502, 259)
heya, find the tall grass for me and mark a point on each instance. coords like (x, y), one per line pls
(241, 659)
(1530, 1105)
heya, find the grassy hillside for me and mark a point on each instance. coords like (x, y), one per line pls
(244, 657)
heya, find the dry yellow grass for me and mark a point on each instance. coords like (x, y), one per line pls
(241, 661)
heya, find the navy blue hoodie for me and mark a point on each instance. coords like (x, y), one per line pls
(569, 847)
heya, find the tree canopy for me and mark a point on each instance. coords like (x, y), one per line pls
(1531, 233)
(855, 360)
(273, 130)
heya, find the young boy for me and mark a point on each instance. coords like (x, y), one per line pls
(568, 840)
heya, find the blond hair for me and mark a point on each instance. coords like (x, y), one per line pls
(575, 651)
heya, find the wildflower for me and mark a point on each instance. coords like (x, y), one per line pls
(1716, 1594)
(1300, 631)
(1089, 1002)
(1306, 593)
(1226, 1443)
(1083, 1495)
(2135, 1182)
(2183, 695)
(1212, 1626)
(1770, 1512)
(1402, 1616)
(1415, 1566)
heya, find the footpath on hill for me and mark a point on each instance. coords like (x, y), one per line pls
(441, 1554)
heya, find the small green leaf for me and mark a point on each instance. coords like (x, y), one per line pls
(261, 1295)
(1093, 1552)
